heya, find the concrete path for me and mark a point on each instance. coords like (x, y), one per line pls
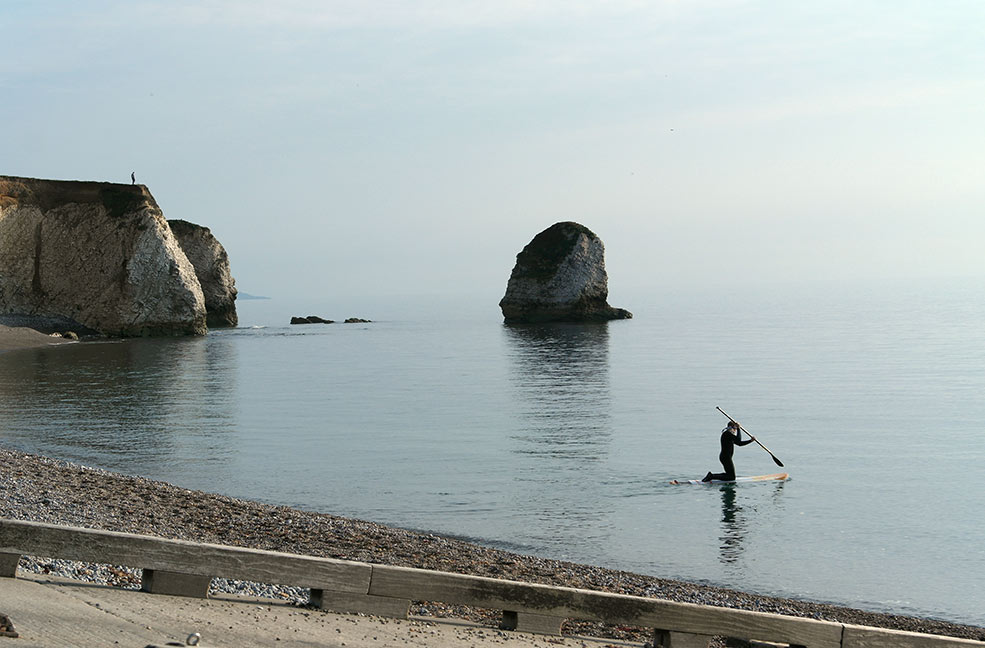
(48, 612)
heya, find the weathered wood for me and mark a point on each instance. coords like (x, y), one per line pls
(668, 639)
(8, 564)
(867, 637)
(744, 624)
(91, 545)
(387, 591)
(348, 602)
(533, 623)
(158, 581)
(419, 584)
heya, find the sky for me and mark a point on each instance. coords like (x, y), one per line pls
(360, 147)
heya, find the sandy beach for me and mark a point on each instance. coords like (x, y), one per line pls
(13, 338)
(42, 489)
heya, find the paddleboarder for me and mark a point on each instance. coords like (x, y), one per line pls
(731, 437)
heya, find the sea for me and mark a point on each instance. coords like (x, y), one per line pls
(561, 440)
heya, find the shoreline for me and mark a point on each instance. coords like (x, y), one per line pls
(42, 489)
(15, 338)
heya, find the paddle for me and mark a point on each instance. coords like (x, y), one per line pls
(777, 461)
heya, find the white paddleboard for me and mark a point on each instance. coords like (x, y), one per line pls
(737, 480)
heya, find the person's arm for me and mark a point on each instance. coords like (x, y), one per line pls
(740, 442)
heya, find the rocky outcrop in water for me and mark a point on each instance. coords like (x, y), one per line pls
(211, 264)
(99, 254)
(560, 277)
(314, 319)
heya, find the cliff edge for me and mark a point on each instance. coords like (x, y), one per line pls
(97, 253)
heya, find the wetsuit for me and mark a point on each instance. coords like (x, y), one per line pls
(729, 441)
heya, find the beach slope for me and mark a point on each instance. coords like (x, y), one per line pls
(39, 489)
(13, 338)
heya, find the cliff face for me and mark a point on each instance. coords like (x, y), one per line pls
(211, 264)
(560, 277)
(100, 254)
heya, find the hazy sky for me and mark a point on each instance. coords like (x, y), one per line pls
(349, 147)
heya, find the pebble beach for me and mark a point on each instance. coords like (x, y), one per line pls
(42, 489)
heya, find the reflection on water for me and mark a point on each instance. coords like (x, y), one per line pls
(733, 526)
(735, 523)
(131, 406)
(560, 382)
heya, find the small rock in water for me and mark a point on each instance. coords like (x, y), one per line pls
(311, 319)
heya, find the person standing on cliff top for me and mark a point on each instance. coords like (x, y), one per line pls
(731, 437)
(133, 178)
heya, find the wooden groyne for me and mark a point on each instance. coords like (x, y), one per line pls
(178, 567)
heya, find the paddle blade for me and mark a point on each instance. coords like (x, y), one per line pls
(777, 461)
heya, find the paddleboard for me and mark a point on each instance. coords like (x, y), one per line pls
(737, 480)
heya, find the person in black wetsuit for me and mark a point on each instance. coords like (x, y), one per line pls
(731, 437)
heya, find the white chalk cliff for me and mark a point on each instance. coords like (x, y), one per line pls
(99, 254)
(211, 264)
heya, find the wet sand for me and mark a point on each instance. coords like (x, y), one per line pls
(13, 338)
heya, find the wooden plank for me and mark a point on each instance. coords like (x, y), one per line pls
(418, 584)
(866, 637)
(533, 623)
(157, 581)
(743, 624)
(146, 552)
(351, 603)
(8, 564)
(666, 639)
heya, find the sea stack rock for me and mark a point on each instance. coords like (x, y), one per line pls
(99, 254)
(211, 264)
(560, 277)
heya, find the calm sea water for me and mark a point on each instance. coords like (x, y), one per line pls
(560, 440)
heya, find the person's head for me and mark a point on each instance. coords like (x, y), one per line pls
(733, 427)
